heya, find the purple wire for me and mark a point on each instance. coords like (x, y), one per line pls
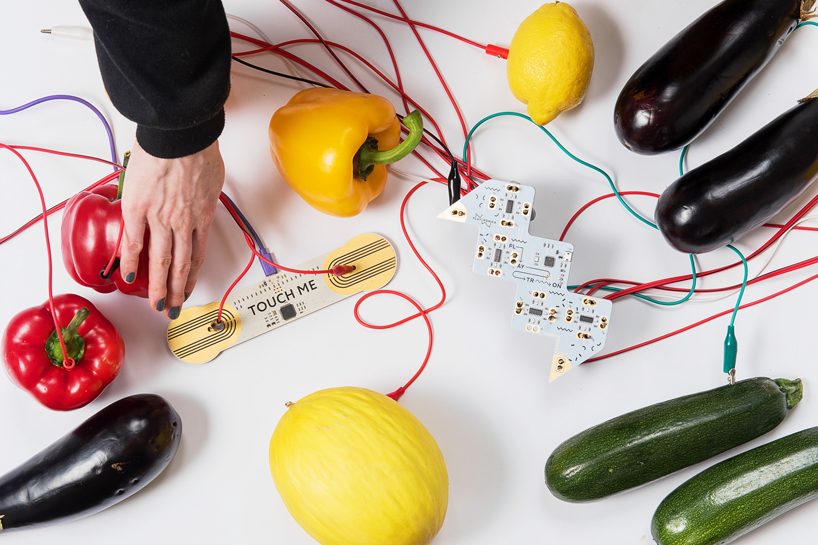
(75, 99)
(266, 267)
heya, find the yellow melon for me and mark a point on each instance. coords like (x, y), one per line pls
(355, 467)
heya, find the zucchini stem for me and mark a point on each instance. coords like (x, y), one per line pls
(794, 389)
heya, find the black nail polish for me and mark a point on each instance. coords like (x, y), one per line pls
(160, 306)
(187, 295)
(174, 313)
(130, 277)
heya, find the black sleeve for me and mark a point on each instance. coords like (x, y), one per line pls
(166, 66)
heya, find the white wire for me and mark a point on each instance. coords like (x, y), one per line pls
(769, 253)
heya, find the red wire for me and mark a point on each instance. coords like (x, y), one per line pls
(781, 229)
(796, 228)
(421, 312)
(398, 79)
(772, 274)
(337, 271)
(116, 248)
(276, 48)
(763, 247)
(293, 58)
(61, 205)
(442, 82)
(416, 23)
(400, 89)
(660, 284)
(691, 326)
(236, 217)
(67, 154)
(68, 363)
(589, 204)
(369, 65)
(329, 50)
(236, 281)
(765, 276)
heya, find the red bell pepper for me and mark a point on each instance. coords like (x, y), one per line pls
(90, 230)
(34, 358)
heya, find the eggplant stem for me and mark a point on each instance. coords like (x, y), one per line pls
(809, 97)
(808, 10)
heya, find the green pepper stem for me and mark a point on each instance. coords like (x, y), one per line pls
(74, 324)
(369, 155)
(74, 344)
(121, 182)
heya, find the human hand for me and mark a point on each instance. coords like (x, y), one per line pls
(176, 200)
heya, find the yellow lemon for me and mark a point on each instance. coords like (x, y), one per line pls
(355, 467)
(550, 61)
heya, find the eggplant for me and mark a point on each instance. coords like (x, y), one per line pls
(725, 198)
(109, 457)
(679, 91)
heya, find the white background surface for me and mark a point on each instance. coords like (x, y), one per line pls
(485, 394)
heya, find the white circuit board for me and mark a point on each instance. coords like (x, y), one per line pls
(502, 211)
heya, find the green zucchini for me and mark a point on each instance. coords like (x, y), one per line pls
(736, 496)
(643, 445)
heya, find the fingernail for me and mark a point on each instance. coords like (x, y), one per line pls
(160, 306)
(187, 295)
(174, 313)
(130, 277)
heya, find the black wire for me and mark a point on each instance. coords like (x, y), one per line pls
(454, 184)
(281, 75)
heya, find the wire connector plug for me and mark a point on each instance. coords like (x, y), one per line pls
(730, 350)
(341, 270)
(73, 32)
(268, 268)
(497, 51)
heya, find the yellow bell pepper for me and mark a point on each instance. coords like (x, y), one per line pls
(332, 146)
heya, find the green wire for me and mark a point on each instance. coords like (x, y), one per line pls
(568, 153)
(805, 23)
(610, 181)
(746, 271)
(682, 160)
(743, 284)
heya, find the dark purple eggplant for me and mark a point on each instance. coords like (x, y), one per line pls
(109, 457)
(722, 200)
(679, 91)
